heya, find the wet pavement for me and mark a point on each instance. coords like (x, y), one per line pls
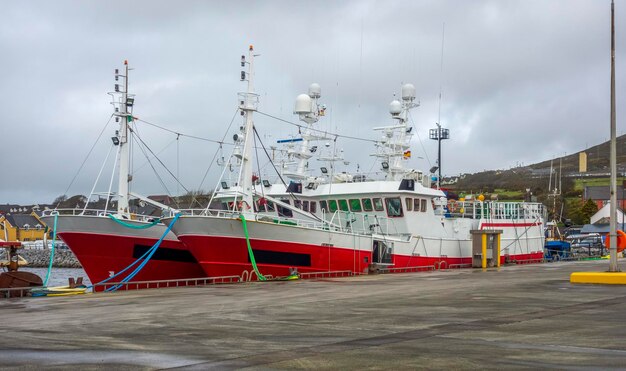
(521, 317)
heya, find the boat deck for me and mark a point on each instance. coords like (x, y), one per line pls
(523, 317)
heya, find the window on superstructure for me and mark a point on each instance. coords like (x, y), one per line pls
(416, 204)
(324, 206)
(394, 207)
(332, 206)
(409, 204)
(305, 205)
(423, 205)
(297, 203)
(343, 205)
(283, 211)
(367, 204)
(313, 207)
(355, 204)
(378, 204)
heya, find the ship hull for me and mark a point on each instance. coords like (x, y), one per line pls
(104, 248)
(219, 244)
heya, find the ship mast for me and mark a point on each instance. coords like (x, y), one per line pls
(395, 143)
(309, 111)
(248, 102)
(124, 116)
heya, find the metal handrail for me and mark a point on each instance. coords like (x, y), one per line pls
(96, 212)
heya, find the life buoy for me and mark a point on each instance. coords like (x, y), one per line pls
(242, 205)
(621, 241)
(452, 206)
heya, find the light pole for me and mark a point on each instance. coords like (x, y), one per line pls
(439, 134)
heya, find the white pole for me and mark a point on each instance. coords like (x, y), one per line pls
(613, 267)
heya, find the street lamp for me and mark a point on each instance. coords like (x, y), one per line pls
(439, 134)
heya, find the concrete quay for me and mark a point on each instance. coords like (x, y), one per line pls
(520, 317)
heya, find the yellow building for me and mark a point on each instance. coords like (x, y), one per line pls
(21, 227)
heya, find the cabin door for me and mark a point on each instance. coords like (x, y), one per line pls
(382, 252)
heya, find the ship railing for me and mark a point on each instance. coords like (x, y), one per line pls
(363, 223)
(97, 212)
(160, 284)
(327, 274)
(260, 217)
(339, 221)
(419, 268)
(495, 210)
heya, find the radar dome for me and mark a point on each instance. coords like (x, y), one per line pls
(315, 91)
(303, 104)
(408, 92)
(395, 107)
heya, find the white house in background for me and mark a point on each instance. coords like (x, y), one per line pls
(603, 215)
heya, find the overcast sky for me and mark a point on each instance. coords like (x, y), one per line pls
(523, 81)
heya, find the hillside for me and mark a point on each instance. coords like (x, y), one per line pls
(536, 176)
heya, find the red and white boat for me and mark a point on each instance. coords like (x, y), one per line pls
(337, 222)
(107, 241)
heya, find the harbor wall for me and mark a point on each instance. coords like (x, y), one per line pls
(38, 258)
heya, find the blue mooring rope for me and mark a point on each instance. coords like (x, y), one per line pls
(146, 258)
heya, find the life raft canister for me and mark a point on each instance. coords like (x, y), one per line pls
(621, 241)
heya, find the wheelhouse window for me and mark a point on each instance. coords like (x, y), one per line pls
(378, 204)
(367, 204)
(343, 205)
(323, 206)
(263, 205)
(423, 206)
(297, 203)
(355, 204)
(283, 211)
(409, 204)
(416, 204)
(332, 206)
(305, 205)
(394, 207)
(313, 207)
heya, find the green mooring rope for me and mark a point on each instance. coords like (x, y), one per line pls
(244, 223)
(133, 226)
(250, 253)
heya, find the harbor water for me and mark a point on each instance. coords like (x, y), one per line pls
(59, 276)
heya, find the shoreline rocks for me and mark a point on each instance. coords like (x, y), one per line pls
(39, 258)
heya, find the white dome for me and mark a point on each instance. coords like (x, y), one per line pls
(303, 104)
(408, 92)
(395, 107)
(315, 91)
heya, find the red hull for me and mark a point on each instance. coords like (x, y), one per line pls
(101, 254)
(227, 256)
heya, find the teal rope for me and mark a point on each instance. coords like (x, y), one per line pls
(54, 238)
(133, 226)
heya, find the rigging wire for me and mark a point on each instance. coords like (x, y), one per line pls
(161, 162)
(109, 194)
(443, 34)
(178, 133)
(293, 196)
(420, 140)
(206, 173)
(135, 137)
(86, 157)
(158, 153)
(258, 165)
(97, 178)
(317, 130)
